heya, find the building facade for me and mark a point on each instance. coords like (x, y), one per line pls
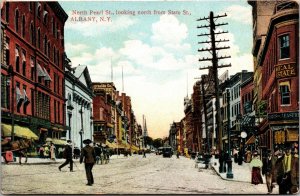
(32, 69)
(279, 61)
(79, 96)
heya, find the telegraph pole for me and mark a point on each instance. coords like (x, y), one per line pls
(213, 50)
(205, 113)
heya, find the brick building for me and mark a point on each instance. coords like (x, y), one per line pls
(279, 61)
(104, 107)
(32, 74)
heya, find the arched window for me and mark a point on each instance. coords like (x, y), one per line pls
(39, 10)
(31, 33)
(17, 59)
(39, 38)
(54, 54)
(24, 63)
(69, 99)
(45, 15)
(45, 44)
(23, 25)
(17, 20)
(57, 58)
(7, 11)
(48, 50)
(53, 26)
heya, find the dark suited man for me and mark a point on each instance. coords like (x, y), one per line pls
(89, 155)
(68, 154)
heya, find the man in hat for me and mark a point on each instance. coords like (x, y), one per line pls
(89, 156)
(269, 161)
(67, 154)
(288, 172)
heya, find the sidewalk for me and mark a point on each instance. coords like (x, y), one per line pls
(241, 173)
(34, 161)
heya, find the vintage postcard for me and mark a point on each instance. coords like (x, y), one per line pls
(150, 97)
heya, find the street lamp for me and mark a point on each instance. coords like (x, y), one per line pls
(243, 136)
(11, 82)
(81, 132)
(229, 161)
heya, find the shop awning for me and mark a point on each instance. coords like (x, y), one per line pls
(19, 131)
(292, 135)
(110, 125)
(111, 145)
(251, 140)
(121, 145)
(134, 148)
(59, 142)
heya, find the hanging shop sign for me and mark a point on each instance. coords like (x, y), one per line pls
(283, 116)
(286, 70)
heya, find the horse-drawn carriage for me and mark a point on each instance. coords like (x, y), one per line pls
(19, 147)
(23, 140)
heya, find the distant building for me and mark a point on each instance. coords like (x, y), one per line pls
(104, 110)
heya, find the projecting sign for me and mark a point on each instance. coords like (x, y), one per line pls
(286, 70)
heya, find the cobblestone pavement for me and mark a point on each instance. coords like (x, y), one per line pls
(132, 175)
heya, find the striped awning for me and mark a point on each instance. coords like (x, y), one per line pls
(19, 131)
(111, 145)
(134, 148)
(59, 142)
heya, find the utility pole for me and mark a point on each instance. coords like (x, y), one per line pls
(213, 50)
(205, 113)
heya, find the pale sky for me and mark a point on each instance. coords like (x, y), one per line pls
(158, 53)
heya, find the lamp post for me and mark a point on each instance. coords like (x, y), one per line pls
(229, 161)
(81, 130)
(243, 136)
(11, 82)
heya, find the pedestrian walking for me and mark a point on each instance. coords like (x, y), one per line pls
(41, 151)
(46, 151)
(67, 154)
(269, 161)
(144, 154)
(248, 156)
(88, 155)
(98, 152)
(288, 172)
(256, 165)
(52, 151)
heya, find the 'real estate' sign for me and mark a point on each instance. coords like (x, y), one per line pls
(286, 70)
(283, 116)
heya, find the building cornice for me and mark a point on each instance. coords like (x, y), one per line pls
(280, 17)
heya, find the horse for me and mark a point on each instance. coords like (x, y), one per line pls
(20, 147)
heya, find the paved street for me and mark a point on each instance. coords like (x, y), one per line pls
(132, 175)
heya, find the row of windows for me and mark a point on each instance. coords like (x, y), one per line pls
(46, 43)
(43, 73)
(284, 53)
(41, 14)
(42, 105)
(247, 97)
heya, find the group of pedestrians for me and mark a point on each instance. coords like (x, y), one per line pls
(87, 156)
(46, 151)
(281, 167)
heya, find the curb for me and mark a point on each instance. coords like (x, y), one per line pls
(227, 178)
(37, 163)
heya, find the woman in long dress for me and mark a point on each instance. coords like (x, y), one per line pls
(52, 152)
(256, 165)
